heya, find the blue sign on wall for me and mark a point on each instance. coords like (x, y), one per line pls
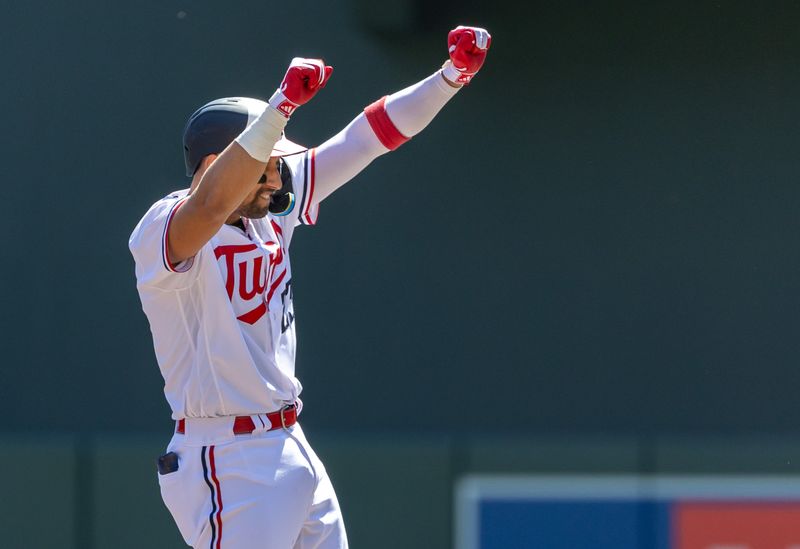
(608, 512)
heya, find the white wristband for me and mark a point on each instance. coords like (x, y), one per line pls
(260, 137)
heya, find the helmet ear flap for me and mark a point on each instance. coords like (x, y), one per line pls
(281, 203)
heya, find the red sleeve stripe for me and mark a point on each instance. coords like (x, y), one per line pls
(304, 197)
(164, 246)
(311, 175)
(385, 130)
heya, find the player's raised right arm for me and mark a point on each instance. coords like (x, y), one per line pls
(224, 181)
(227, 180)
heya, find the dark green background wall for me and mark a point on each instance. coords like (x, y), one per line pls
(599, 235)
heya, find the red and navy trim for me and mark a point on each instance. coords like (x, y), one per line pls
(210, 475)
(308, 213)
(168, 265)
(383, 127)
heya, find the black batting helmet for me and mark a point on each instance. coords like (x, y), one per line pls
(216, 124)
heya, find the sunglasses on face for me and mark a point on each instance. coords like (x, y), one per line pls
(286, 176)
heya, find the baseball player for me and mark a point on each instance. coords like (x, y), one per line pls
(214, 278)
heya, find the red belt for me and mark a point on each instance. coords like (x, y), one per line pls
(244, 425)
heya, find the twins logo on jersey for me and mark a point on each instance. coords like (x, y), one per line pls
(252, 276)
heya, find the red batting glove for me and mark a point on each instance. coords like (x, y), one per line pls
(467, 47)
(303, 79)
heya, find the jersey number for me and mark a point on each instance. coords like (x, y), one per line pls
(288, 313)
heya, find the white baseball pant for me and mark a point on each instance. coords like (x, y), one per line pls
(264, 490)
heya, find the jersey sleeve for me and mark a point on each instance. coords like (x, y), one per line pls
(382, 127)
(148, 245)
(306, 208)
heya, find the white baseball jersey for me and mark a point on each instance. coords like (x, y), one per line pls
(224, 334)
(223, 321)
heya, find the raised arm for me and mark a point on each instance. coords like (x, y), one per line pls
(393, 120)
(222, 182)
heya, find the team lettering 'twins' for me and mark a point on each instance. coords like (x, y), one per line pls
(246, 279)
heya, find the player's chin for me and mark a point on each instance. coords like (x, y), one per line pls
(255, 211)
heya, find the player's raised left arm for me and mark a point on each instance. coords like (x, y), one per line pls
(392, 120)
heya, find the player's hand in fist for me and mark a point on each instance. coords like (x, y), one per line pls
(467, 47)
(303, 79)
